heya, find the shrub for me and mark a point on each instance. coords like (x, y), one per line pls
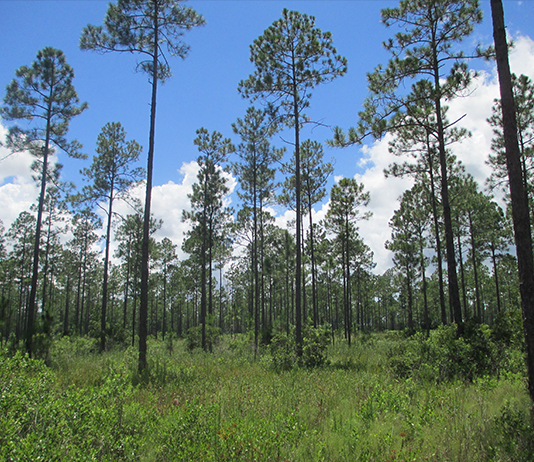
(315, 343)
(445, 356)
(515, 433)
(314, 346)
(194, 337)
(68, 350)
(283, 351)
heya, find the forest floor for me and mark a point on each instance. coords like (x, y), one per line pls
(229, 406)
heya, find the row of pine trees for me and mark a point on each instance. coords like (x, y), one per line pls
(452, 242)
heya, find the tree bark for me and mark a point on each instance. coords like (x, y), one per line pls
(520, 212)
(143, 308)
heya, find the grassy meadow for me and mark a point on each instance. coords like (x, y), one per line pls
(386, 398)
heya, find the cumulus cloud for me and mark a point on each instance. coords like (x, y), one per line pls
(473, 152)
(18, 191)
(168, 203)
(384, 194)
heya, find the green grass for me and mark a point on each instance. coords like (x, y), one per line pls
(224, 406)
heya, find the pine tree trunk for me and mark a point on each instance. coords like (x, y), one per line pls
(298, 269)
(143, 308)
(520, 212)
(106, 270)
(35, 270)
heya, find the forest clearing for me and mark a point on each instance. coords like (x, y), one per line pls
(386, 398)
(264, 332)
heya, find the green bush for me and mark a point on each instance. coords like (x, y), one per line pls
(43, 421)
(445, 356)
(283, 351)
(515, 433)
(314, 346)
(315, 342)
(194, 337)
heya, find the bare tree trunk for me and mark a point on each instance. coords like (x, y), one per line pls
(143, 307)
(520, 212)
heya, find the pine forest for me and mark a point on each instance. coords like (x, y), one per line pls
(252, 338)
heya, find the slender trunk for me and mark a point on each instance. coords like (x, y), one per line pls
(67, 301)
(303, 274)
(520, 212)
(475, 269)
(454, 296)
(126, 287)
(203, 282)
(210, 267)
(262, 266)
(164, 303)
(298, 269)
(106, 270)
(410, 298)
(220, 297)
(133, 316)
(84, 281)
(288, 304)
(313, 270)
(143, 308)
(35, 271)
(496, 276)
(426, 318)
(437, 237)
(255, 270)
(462, 273)
(46, 262)
(348, 301)
(345, 291)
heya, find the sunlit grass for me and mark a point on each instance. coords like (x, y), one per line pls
(226, 406)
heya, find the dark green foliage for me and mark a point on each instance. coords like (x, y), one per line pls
(315, 344)
(194, 337)
(507, 329)
(43, 337)
(515, 432)
(266, 335)
(283, 352)
(445, 356)
(41, 421)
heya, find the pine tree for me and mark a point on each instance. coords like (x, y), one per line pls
(255, 174)
(314, 175)
(347, 197)
(112, 177)
(424, 47)
(42, 93)
(208, 216)
(292, 57)
(520, 211)
(152, 29)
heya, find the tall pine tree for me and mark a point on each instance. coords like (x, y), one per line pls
(153, 30)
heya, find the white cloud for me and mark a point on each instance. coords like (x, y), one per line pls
(521, 61)
(168, 202)
(473, 151)
(384, 193)
(18, 191)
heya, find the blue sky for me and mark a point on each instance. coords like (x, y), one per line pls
(203, 92)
